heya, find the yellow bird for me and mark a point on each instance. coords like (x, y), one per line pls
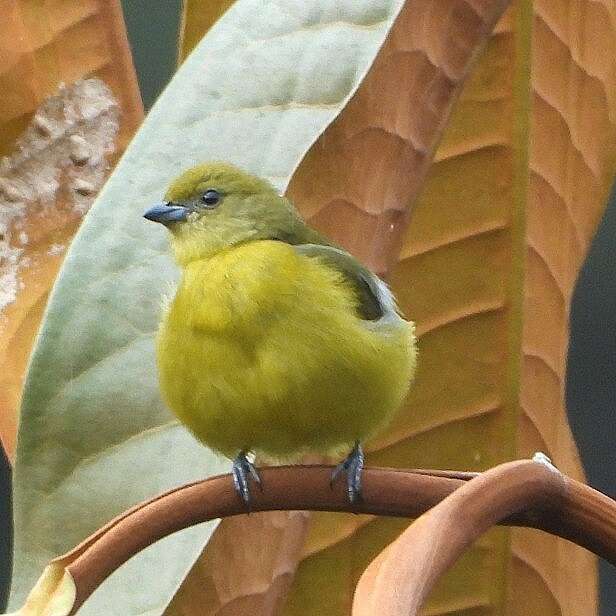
(276, 342)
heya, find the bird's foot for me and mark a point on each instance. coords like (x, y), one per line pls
(243, 469)
(352, 467)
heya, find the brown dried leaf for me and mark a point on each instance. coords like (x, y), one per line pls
(372, 161)
(247, 567)
(572, 159)
(197, 18)
(449, 411)
(59, 149)
(487, 269)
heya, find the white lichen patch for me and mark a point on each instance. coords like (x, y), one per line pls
(9, 283)
(60, 161)
(55, 249)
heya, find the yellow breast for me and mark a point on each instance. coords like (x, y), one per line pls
(262, 350)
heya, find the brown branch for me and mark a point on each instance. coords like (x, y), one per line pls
(556, 504)
(414, 562)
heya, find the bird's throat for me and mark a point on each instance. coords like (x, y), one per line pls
(196, 242)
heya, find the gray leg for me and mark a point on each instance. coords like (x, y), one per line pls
(352, 467)
(243, 468)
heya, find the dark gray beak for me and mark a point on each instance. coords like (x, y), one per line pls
(166, 213)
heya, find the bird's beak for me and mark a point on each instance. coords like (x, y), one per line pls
(166, 213)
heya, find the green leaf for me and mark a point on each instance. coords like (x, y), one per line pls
(94, 436)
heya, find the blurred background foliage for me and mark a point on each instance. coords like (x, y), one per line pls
(6, 546)
(154, 43)
(591, 389)
(591, 375)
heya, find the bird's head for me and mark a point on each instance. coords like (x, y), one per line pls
(215, 205)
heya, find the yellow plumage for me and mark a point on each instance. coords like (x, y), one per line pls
(262, 350)
(275, 341)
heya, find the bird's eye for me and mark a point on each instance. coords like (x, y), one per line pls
(211, 198)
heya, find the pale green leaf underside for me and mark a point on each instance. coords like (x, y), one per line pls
(94, 435)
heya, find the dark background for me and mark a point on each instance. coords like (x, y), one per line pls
(591, 390)
(591, 375)
(5, 529)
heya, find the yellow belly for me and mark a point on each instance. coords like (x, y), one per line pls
(261, 350)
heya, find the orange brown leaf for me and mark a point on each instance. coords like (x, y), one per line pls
(487, 269)
(571, 166)
(197, 18)
(59, 146)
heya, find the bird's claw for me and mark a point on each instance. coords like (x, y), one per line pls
(352, 467)
(243, 468)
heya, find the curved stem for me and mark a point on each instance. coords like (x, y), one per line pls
(414, 562)
(567, 509)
